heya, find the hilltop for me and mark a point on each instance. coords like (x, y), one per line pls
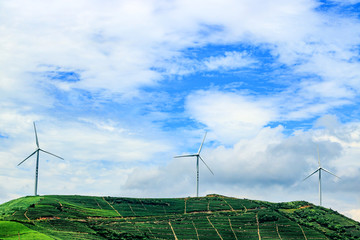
(210, 217)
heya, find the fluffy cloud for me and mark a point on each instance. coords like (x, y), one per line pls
(229, 115)
(231, 60)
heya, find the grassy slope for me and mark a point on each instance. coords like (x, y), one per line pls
(211, 217)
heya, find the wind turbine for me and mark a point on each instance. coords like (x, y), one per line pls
(319, 170)
(197, 155)
(37, 151)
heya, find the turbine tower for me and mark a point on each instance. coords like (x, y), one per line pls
(319, 170)
(197, 155)
(37, 151)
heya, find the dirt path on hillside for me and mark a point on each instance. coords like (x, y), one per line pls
(232, 209)
(185, 205)
(302, 231)
(232, 229)
(172, 229)
(277, 230)
(131, 209)
(258, 226)
(143, 205)
(214, 228)
(112, 207)
(98, 204)
(26, 215)
(244, 207)
(197, 234)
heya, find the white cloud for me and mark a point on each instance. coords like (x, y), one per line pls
(231, 116)
(328, 121)
(234, 115)
(231, 60)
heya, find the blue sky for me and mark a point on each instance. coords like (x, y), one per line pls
(118, 88)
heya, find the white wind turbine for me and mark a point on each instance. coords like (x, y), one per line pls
(319, 170)
(37, 151)
(197, 155)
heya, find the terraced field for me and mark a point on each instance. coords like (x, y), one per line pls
(211, 217)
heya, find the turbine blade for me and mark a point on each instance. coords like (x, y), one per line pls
(187, 155)
(202, 143)
(311, 174)
(36, 137)
(206, 164)
(51, 154)
(27, 157)
(317, 148)
(330, 172)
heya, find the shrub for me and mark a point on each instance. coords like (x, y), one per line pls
(267, 217)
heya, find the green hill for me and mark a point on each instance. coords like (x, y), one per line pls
(210, 217)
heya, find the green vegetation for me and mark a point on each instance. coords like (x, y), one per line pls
(210, 217)
(14, 230)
